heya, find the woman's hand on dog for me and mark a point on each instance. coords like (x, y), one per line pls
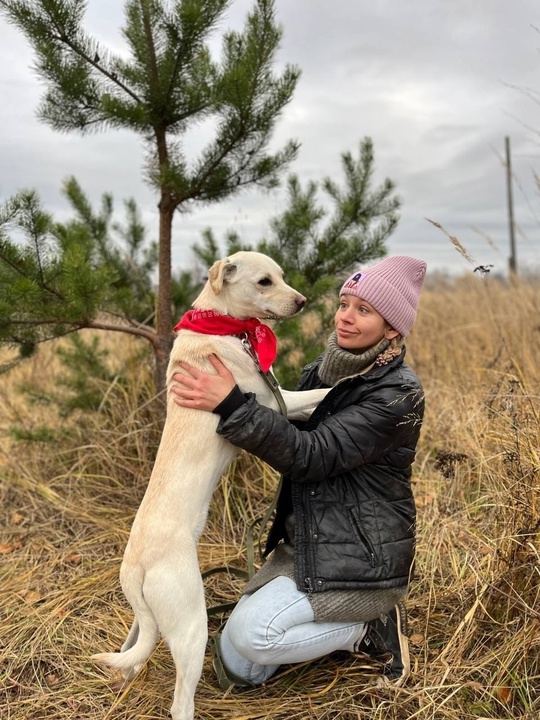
(200, 390)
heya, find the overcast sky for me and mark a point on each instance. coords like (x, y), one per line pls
(436, 84)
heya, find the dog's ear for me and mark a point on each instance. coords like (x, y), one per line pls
(219, 272)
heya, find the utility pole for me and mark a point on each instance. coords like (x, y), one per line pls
(512, 262)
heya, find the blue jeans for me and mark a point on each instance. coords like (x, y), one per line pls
(276, 626)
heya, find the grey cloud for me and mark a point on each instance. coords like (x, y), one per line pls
(432, 82)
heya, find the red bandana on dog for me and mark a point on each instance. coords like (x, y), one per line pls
(262, 339)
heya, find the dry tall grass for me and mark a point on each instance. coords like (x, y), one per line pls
(475, 610)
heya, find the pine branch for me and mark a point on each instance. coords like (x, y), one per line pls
(112, 76)
(42, 284)
(85, 325)
(149, 334)
(210, 12)
(154, 73)
(22, 13)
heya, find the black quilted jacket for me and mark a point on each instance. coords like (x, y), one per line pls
(346, 476)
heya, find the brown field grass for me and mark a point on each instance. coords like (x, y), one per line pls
(67, 506)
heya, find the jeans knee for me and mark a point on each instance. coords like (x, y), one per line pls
(260, 622)
(254, 640)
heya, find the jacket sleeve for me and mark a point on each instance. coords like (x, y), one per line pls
(353, 436)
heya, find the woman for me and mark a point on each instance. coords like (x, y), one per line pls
(341, 548)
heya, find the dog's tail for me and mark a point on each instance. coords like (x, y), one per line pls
(129, 661)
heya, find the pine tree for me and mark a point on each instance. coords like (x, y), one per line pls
(88, 272)
(167, 83)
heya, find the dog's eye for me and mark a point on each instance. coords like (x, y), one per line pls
(265, 282)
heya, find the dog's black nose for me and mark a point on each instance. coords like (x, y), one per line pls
(300, 301)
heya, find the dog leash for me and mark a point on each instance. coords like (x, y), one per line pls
(230, 570)
(253, 538)
(269, 377)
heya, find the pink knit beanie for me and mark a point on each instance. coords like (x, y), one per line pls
(393, 287)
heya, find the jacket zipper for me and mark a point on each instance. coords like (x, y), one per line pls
(364, 540)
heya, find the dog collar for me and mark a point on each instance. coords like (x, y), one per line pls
(209, 322)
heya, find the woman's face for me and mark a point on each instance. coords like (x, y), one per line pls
(359, 326)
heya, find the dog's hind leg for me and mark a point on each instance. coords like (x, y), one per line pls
(176, 594)
(188, 650)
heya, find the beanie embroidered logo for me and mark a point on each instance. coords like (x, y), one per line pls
(352, 282)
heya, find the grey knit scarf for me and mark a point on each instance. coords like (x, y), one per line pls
(338, 363)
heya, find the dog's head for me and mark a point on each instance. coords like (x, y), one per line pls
(249, 284)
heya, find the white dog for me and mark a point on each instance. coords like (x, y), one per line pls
(160, 574)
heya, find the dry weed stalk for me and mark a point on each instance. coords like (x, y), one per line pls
(474, 605)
